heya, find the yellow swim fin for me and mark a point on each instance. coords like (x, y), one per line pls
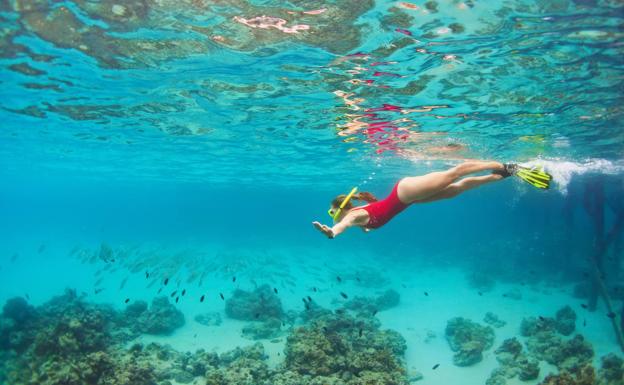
(536, 176)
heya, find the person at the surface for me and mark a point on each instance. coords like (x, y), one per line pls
(414, 189)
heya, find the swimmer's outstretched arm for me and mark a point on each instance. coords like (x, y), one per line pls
(349, 220)
(324, 229)
(331, 232)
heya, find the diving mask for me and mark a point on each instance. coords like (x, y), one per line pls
(336, 214)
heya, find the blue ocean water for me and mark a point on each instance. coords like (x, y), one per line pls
(153, 147)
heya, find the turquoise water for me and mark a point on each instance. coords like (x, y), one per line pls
(196, 141)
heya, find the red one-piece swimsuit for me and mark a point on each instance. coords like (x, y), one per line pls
(380, 212)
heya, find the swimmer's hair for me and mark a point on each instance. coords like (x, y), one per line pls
(361, 196)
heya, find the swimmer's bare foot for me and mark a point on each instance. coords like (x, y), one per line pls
(324, 229)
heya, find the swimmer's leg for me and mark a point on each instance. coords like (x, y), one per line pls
(454, 189)
(417, 188)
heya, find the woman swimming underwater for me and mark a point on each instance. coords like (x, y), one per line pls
(421, 189)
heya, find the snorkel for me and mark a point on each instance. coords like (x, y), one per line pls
(342, 205)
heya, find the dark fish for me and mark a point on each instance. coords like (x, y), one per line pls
(146, 274)
(202, 298)
(309, 299)
(97, 291)
(307, 306)
(325, 329)
(542, 318)
(222, 297)
(584, 306)
(314, 289)
(27, 296)
(283, 323)
(304, 300)
(584, 322)
(166, 281)
(278, 353)
(183, 292)
(505, 295)
(358, 279)
(338, 278)
(404, 286)
(275, 290)
(177, 299)
(360, 333)
(195, 335)
(112, 260)
(374, 312)
(159, 290)
(435, 366)
(257, 315)
(14, 257)
(426, 294)
(174, 293)
(611, 315)
(344, 295)
(480, 293)
(127, 300)
(233, 279)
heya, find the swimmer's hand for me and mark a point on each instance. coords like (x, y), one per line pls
(324, 229)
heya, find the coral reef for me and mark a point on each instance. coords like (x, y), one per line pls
(545, 343)
(513, 362)
(161, 318)
(68, 341)
(347, 350)
(386, 300)
(531, 326)
(584, 376)
(258, 305)
(18, 310)
(62, 342)
(565, 320)
(268, 328)
(468, 339)
(612, 372)
(493, 320)
(313, 311)
(261, 306)
(566, 355)
(243, 366)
